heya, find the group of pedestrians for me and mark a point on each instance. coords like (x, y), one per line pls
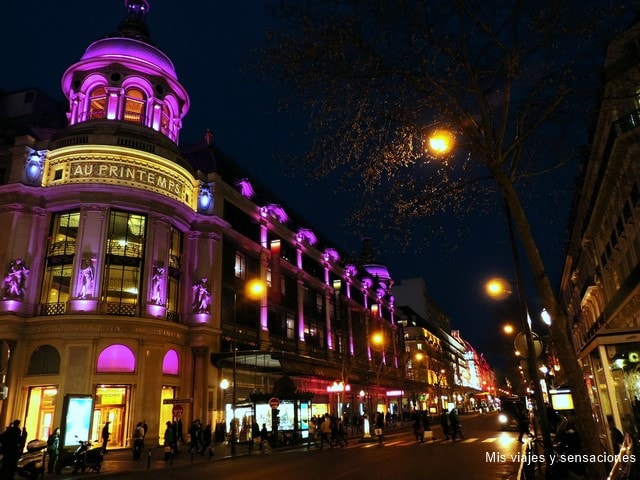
(327, 429)
(450, 423)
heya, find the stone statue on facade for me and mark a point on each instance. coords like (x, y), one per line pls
(201, 296)
(14, 282)
(87, 279)
(157, 280)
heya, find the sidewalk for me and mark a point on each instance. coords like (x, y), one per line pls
(121, 460)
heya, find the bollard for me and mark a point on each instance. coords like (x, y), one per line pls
(149, 459)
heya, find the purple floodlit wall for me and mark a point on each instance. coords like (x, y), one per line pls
(116, 358)
(170, 363)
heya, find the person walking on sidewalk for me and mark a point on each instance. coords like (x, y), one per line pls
(105, 436)
(325, 432)
(138, 441)
(169, 439)
(444, 423)
(454, 421)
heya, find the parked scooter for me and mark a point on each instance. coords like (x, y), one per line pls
(83, 458)
(31, 463)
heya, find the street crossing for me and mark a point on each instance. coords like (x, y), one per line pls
(440, 442)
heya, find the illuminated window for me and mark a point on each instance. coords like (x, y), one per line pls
(291, 326)
(124, 259)
(98, 103)
(60, 254)
(170, 363)
(240, 267)
(173, 286)
(116, 359)
(164, 120)
(134, 106)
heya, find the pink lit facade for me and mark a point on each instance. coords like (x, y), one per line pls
(124, 269)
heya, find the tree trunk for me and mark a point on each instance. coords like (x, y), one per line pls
(560, 332)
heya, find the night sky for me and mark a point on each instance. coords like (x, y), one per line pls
(209, 43)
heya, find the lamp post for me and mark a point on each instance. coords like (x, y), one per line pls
(530, 343)
(254, 290)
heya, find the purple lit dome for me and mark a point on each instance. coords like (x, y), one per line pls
(121, 48)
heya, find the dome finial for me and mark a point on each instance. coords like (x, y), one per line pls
(136, 9)
(134, 24)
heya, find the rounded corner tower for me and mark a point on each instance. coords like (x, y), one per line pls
(124, 77)
(126, 107)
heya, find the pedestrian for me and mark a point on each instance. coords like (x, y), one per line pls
(379, 425)
(206, 440)
(418, 428)
(105, 436)
(11, 448)
(179, 431)
(444, 423)
(522, 417)
(454, 422)
(264, 437)
(342, 434)
(169, 440)
(53, 449)
(312, 432)
(325, 432)
(138, 441)
(194, 435)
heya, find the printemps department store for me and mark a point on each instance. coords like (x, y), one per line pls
(125, 267)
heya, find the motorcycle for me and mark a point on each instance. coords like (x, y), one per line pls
(82, 459)
(31, 463)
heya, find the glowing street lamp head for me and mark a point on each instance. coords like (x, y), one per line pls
(441, 142)
(419, 357)
(224, 384)
(498, 288)
(377, 339)
(508, 329)
(255, 289)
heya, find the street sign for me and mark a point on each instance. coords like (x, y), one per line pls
(171, 401)
(274, 402)
(177, 410)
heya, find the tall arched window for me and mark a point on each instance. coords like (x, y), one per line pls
(98, 103)
(164, 121)
(134, 106)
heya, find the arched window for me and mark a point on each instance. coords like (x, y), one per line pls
(116, 358)
(164, 121)
(170, 363)
(134, 106)
(45, 359)
(98, 103)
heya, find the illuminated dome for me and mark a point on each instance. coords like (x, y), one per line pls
(125, 78)
(126, 50)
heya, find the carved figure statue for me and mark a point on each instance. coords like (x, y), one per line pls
(156, 284)
(15, 280)
(86, 279)
(201, 297)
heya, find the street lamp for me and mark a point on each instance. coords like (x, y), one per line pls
(528, 334)
(254, 290)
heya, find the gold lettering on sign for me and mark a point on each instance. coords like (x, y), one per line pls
(143, 176)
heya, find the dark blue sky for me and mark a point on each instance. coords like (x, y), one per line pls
(208, 43)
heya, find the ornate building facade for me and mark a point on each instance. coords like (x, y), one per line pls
(600, 285)
(125, 264)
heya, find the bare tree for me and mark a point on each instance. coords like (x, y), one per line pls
(513, 80)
